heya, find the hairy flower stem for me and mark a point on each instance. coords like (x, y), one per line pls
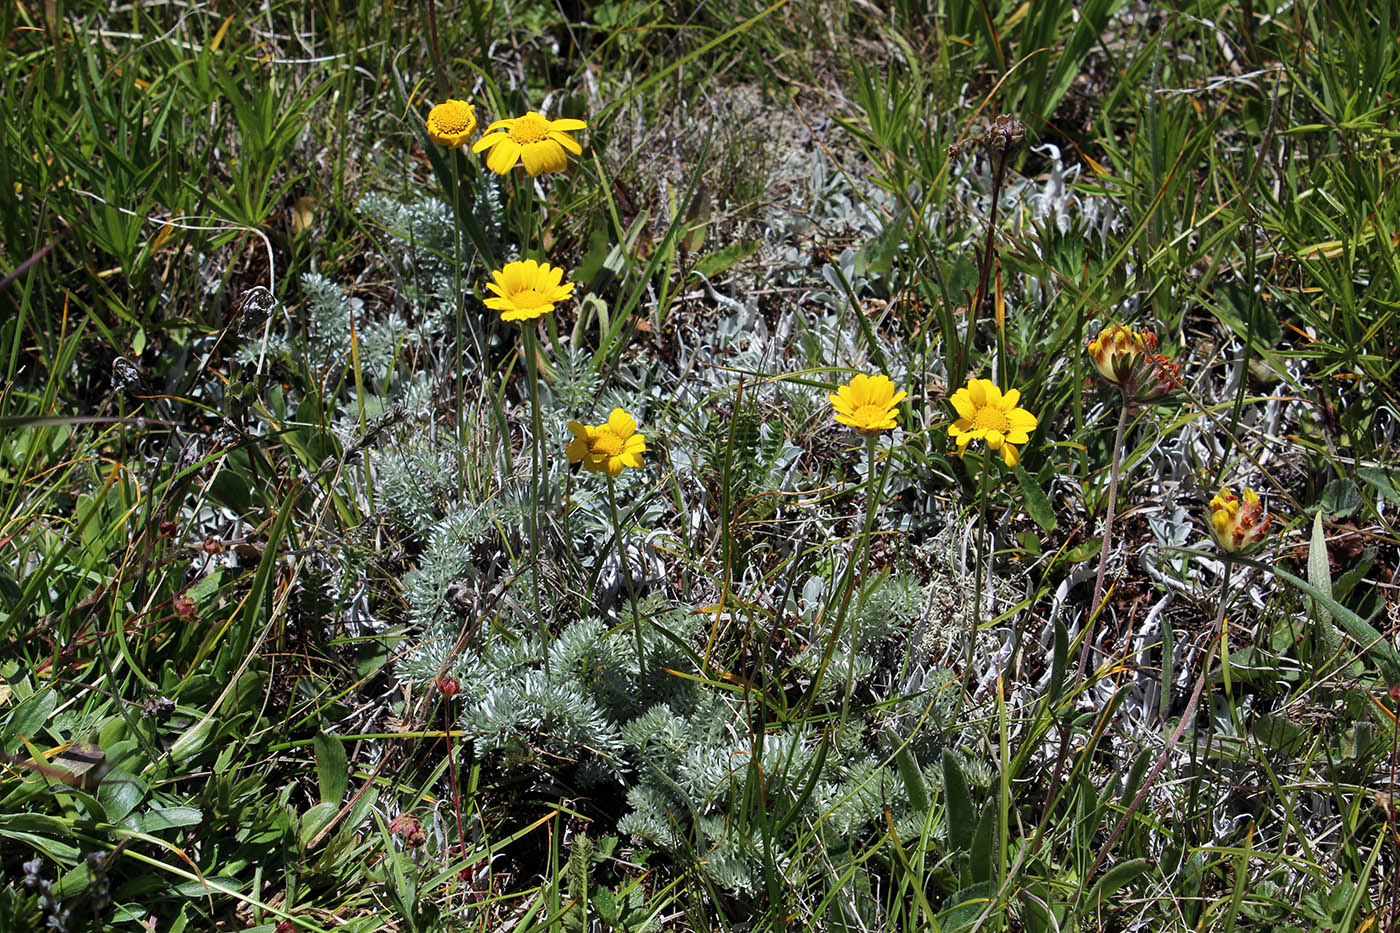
(1114, 465)
(849, 580)
(872, 500)
(1217, 634)
(452, 771)
(532, 375)
(873, 490)
(627, 578)
(984, 273)
(968, 679)
(444, 87)
(457, 283)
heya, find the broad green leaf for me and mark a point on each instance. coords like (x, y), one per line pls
(958, 800)
(913, 778)
(29, 717)
(1340, 498)
(1037, 503)
(965, 907)
(120, 792)
(331, 773)
(1383, 481)
(314, 820)
(1111, 881)
(1320, 576)
(162, 818)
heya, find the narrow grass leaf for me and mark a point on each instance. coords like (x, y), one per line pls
(1058, 661)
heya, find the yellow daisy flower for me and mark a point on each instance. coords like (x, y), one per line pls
(526, 289)
(533, 140)
(866, 403)
(1239, 524)
(607, 447)
(451, 123)
(985, 414)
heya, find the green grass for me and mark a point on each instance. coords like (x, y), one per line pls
(732, 689)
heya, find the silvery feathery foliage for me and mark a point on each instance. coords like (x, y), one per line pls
(331, 318)
(422, 231)
(417, 479)
(703, 757)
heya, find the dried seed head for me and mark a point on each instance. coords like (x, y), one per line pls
(254, 309)
(124, 374)
(1006, 131)
(157, 708)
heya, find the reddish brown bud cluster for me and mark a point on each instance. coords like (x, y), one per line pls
(407, 826)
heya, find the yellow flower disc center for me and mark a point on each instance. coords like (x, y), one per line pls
(528, 298)
(991, 419)
(529, 129)
(871, 413)
(454, 119)
(607, 444)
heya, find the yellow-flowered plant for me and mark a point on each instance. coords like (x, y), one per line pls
(451, 123)
(1127, 359)
(1117, 352)
(526, 289)
(532, 140)
(867, 403)
(985, 414)
(607, 447)
(1238, 523)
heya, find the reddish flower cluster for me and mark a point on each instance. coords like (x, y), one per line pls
(1128, 359)
(1238, 524)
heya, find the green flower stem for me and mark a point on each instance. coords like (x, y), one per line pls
(455, 156)
(872, 501)
(461, 323)
(627, 577)
(874, 488)
(977, 573)
(531, 347)
(527, 218)
(861, 557)
(1115, 464)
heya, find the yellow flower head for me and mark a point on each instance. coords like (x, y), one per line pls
(526, 289)
(1118, 352)
(451, 123)
(533, 140)
(867, 403)
(1238, 524)
(985, 414)
(607, 447)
